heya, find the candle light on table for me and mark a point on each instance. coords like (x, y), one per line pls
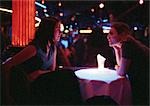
(100, 61)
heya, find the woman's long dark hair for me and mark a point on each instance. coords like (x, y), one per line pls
(45, 32)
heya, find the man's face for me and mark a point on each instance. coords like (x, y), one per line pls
(113, 37)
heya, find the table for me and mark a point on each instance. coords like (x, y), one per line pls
(94, 82)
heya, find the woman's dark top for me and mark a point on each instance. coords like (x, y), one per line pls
(39, 61)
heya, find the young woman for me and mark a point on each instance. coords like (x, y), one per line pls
(133, 59)
(39, 56)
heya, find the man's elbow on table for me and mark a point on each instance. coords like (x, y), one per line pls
(121, 73)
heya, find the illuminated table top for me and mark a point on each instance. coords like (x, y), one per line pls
(98, 82)
(105, 74)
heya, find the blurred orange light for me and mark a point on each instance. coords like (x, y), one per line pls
(36, 12)
(43, 1)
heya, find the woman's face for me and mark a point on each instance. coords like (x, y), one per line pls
(57, 32)
(113, 37)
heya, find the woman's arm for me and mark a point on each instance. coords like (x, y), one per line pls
(63, 56)
(53, 66)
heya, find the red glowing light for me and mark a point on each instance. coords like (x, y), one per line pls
(23, 21)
